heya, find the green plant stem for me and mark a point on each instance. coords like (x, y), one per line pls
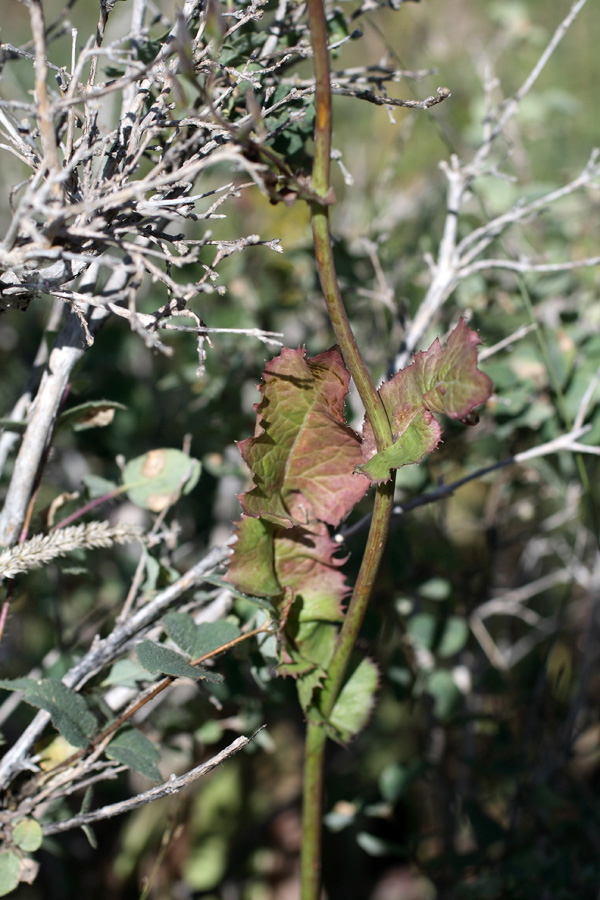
(316, 738)
(352, 357)
(323, 121)
(312, 811)
(376, 541)
(343, 332)
(322, 236)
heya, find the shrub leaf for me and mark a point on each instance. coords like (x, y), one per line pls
(135, 751)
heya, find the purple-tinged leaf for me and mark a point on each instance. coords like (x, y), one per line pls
(305, 561)
(303, 455)
(267, 558)
(453, 385)
(437, 381)
(252, 565)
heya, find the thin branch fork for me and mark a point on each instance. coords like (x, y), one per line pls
(442, 94)
(480, 238)
(457, 260)
(171, 786)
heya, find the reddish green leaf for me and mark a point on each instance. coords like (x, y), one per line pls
(252, 565)
(305, 561)
(416, 433)
(303, 455)
(438, 380)
(455, 386)
(266, 558)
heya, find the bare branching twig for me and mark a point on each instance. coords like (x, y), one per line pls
(172, 786)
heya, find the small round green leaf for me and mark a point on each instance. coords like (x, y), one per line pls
(395, 778)
(28, 835)
(422, 628)
(443, 637)
(153, 479)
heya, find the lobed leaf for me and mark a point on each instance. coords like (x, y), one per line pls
(437, 381)
(306, 685)
(306, 657)
(302, 559)
(416, 433)
(305, 562)
(252, 565)
(303, 454)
